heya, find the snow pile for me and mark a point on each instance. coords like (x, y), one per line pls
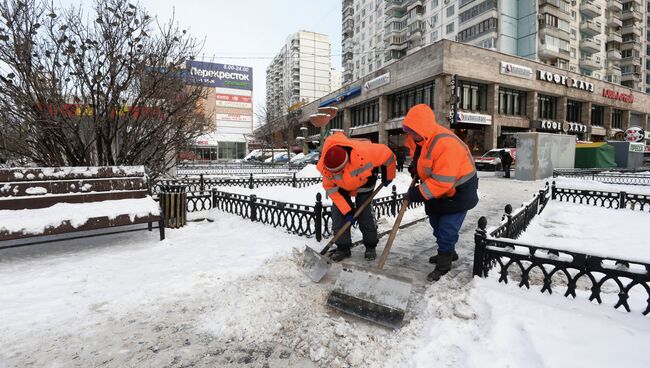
(76, 171)
(309, 171)
(35, 221)
(36, 190)
(583, 184)
(579, 228)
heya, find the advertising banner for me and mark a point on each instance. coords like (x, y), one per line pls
(515, 70)
(381, 80)
(233, 98)
(232, 110)
(234, 117)
(219, 75)
(237, 105)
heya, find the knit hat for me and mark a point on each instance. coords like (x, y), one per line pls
(335, 158)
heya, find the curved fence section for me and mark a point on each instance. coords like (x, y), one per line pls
(201, 184)
(624, 177)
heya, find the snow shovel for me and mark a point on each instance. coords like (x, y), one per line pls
(316, 264)
(374, 295)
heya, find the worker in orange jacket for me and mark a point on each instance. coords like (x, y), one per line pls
(448, 181)
(350, 168)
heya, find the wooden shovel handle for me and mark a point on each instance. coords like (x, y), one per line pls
(393, 232)
(347, 224)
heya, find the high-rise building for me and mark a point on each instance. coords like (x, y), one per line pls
(603, 39)
(299, 73)
(335, 79)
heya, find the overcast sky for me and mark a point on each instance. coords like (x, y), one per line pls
(248, 32)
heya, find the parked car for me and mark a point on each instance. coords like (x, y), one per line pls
(491, 160)
(310, 158)
(280, 158)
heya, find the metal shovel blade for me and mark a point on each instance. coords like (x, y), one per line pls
(372, 295)
(315, 265)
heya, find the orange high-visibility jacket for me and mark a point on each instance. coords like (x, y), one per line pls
(364, 157)
(445, 161)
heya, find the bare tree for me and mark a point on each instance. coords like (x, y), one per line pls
(107, 88)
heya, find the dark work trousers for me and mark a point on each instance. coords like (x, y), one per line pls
(506, 171)
(446, 229)
(400, 165)
(366, 223)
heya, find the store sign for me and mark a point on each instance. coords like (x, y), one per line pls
(637, 147)
(382, 80)
(296, 106)
(219, 75)
(634, 134)
(576, 128)
(515, 70)
(619, 96)
(237, 105)
(234, 117)
(565, 81)
(549, 125)
(453, 100)
(471, 118)
(233, 98)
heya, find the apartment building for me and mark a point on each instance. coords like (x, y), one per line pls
(596, 38)
(300, 73)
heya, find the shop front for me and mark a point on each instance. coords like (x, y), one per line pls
(472, 129)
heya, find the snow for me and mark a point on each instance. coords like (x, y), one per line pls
(212, 295)
(580, 228)
(309, 171)
(574, 183)
(84, 171)
(36, 190)
(34, 221)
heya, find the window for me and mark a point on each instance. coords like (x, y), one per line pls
(434, 20)
(546, 108)
(337, 122)
(573, 52)
(450, 10)
(434, 3)
(477, 30)
(597, 115)
(450, 28)
(566, 8)
(617, 119)
(366, 113)
(574, 33)
(574, 14)
(573, 111)
(434, 36)
(400, 102)
(464, 2)
(473, 96)
(477, 10)
(512, 102)
(554, 42)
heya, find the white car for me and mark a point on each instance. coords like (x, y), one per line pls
(279, 158)
(491, 160)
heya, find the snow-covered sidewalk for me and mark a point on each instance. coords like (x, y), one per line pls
(229, 293)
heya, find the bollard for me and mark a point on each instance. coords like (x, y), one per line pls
(393, 201)
(250, 182)
(318, 217)
(253, 205)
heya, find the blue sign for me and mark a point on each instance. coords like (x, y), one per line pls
(219, 75)
(352, 92)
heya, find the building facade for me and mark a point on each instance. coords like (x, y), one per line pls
(498, 95)
(603, 39)
(299, 73)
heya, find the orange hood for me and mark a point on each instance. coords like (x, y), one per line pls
(421, 119)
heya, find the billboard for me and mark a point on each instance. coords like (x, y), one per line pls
(219, 75)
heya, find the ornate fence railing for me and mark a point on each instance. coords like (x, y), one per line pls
(303, 220)
(598, 198)
(626, 177)
(555, 268)
(243, 168)
(202, 185)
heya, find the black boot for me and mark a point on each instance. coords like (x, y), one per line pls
(341, 253)
(434, 259)
(443, 266)
(370, 253)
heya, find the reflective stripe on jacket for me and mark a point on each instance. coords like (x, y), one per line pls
(445, 161)
(363, 158)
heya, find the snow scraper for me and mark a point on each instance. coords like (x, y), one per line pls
(316, 264)
(374, 295)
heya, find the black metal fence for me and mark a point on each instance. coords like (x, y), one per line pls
(553, 267)
(238, 168)
(202, 186)
(620, 176)
(598, 198)
(300, 219)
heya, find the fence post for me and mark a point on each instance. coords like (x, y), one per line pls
(201, 183)
(621, 199)
(553, 190)
(293, 181)
(508, 215)
(318, 217)
(393, 201)
(214, 198)
(253, 205)
(480, 235)
(250, 182)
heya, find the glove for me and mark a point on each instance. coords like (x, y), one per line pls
(350, 218)
(414, 195)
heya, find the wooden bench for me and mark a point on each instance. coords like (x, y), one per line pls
(37, 202)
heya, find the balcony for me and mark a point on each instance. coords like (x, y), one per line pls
(590, 45)
(630, 77)
(614, 37)
(631, 14)
(613, 55)
(631, 45)
(548, 52)
(348, 13)
(394, 5)
(590, 9)
(590, 27)
(348, 28)
(614, 5)
(590, 62)
(631, 29)
(631, 61)
(614, 22)
(638, 3)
